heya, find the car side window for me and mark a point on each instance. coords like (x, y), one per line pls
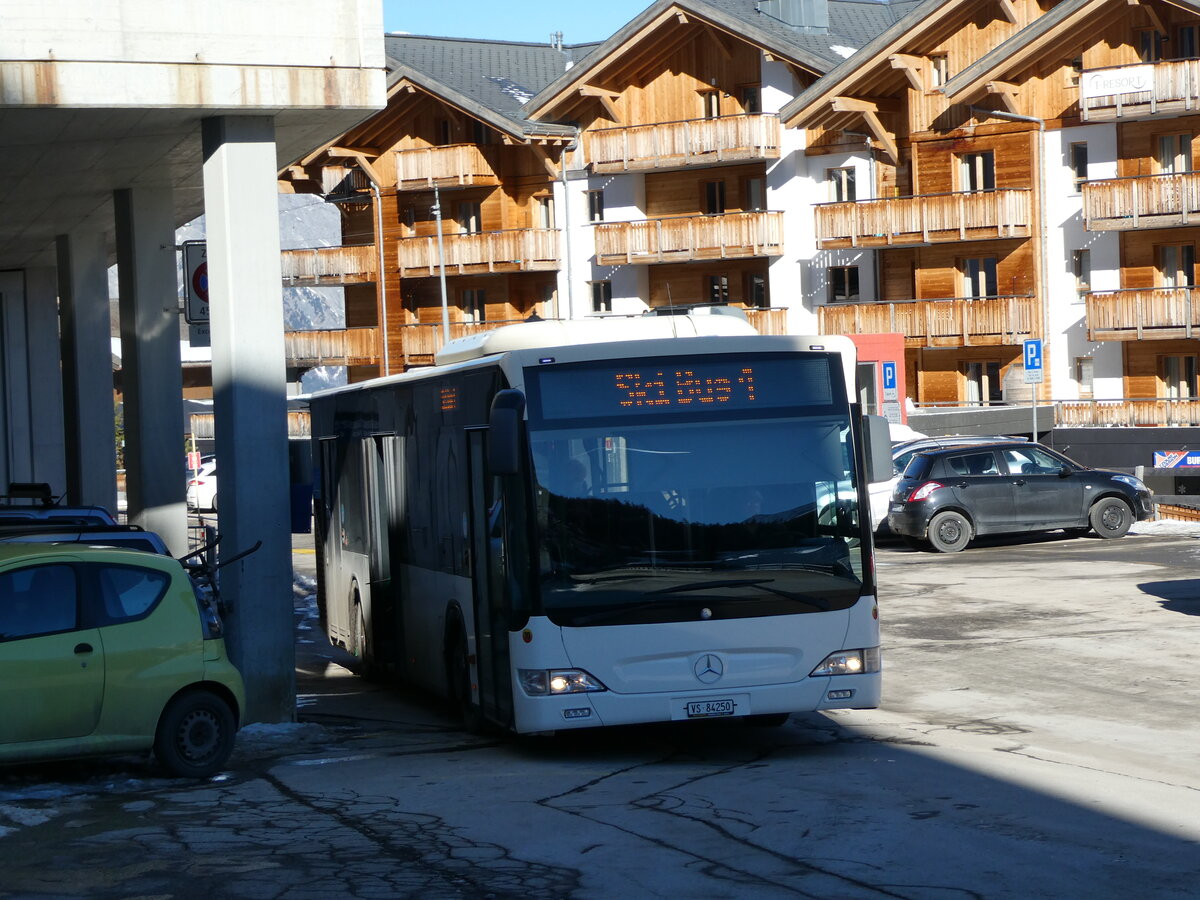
(128, 592)
(38, 600)
(1031, 461)
(973, 464)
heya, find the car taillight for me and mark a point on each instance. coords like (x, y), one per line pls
(923, 492)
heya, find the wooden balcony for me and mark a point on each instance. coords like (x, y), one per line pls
(677, 145)
(1137, 412)
(955, 322)
(328, 266)
(1169, 87)
(337, 347)
(1149, 201)
(768, 321)
(1147, 313)
(418, 343)
(518, 250)
(728, 236)
(455, 166)
(925, 219)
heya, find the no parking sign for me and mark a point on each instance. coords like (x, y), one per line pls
(195, 282)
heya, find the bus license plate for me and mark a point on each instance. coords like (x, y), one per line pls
(703, 709)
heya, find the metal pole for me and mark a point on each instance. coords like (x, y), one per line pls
(437, 214)
(387, 369)
(566, 206)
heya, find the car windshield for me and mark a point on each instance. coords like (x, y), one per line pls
(650, 522)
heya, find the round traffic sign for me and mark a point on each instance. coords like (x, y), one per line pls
(200, 282)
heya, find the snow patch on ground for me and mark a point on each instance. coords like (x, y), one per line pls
(1167, 527)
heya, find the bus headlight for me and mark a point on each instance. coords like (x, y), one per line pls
(543, 682)
(849, 662)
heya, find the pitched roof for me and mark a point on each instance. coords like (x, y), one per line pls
(851, 24)
(492, 80)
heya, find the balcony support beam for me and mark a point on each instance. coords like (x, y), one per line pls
(913, 68)
(1006, 93)
(1008, 10)
(870, 113)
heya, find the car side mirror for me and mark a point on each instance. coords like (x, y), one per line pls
(1065, 472)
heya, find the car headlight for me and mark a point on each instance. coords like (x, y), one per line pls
(849, 662)
(1135, 483)
(544, 682)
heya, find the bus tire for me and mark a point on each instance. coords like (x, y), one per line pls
(1110, 517)
(949, 532)
(459, 673)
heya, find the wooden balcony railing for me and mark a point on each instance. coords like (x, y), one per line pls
(1148, 201)
(768, 321)
(925, 219)
(1150, 313)
(519, 250)
(419, 342)
(695, 142)
(330, 265)
(1133, 412)
(955, 322)
(458, 165)
(1130, 92)
(728, 236)
(336, 347)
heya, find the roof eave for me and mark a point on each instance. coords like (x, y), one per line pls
(513, 128)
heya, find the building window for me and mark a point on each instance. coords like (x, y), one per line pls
(1176, 265)
(843, 284)
(545, 212)
(601, 296)
(939, 69)
(443, 132)
(979, 277)
(468, 215)
(977, 171)
(756, 290)
(714, 197)
(549, 296)
(1075, 71)
(841, 185)
(474, 305)
(756, 195)
(1149, 45)
(1083, 376)
(1081, 266)
(1178, 376)
(481, 134)
(867, 382)
(751, 98)
(718, 288)
(1174, 153)
(982, 384)
(1079, 164)
(710, 104)
(409, 218)
(1185, 42)
(595, 201)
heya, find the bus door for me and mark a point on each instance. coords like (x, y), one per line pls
(379, 469)
(488, 577)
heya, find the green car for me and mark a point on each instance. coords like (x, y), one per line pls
(105, 650)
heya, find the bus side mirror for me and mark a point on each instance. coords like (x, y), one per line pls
(878, 450)
(504, 433)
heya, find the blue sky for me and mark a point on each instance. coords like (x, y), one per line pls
(523, 20)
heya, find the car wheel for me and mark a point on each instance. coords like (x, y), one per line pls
(195, 735)
(1110, 517)
(949, 532)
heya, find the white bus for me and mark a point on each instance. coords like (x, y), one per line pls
(574, 524)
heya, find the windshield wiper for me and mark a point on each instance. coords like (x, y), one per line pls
(760, 583)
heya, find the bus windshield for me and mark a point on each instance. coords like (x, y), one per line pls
(657, 518)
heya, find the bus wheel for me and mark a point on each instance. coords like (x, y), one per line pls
(460, 684)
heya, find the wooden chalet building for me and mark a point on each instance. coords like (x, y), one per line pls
(452, 149)
(1021, 172)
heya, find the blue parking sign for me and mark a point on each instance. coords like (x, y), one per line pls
(889, 375)
(1033, 361)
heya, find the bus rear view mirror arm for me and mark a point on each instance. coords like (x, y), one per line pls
(504, 433)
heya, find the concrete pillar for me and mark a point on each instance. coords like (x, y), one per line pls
(46, 389)
(246, 313)
(151, 372)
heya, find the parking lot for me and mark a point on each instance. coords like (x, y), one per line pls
(1037, 739)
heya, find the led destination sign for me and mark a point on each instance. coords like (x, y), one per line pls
(687, 385)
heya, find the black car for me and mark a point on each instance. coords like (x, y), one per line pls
(947, 497)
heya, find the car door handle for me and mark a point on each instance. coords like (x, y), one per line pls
(962, 484)
(1019, 481)
(80, 649)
